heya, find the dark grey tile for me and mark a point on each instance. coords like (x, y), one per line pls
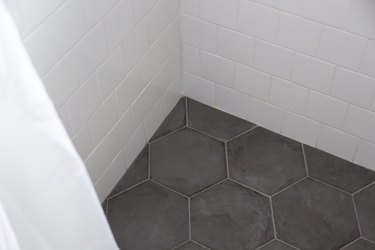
(337, 172)
(265, 161)
(215, 122)
(276, 245)
(187, 161)
(312, 215)
(175, 120)
(360, 245)
(190, 246)
(149, 216)
(136, 173)
(365, 204)
(229, 216)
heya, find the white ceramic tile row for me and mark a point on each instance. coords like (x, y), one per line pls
(112, 69)
(299, 67)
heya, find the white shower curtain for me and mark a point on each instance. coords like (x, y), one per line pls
(47, 200)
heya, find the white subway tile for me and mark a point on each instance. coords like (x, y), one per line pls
(83, 103)
(301, 129)
(83, 143)
(158, 19)
(111, 72)
(175, 9)
(171, 39)
(236, 46)
(34, 12)
(103, 119)
(361, 123)
(162, 79)
(326, 109)
(266, 115)
(118, 23)
(136, 143)
(95, 9)
(190, 7)
(365, 155)
(91, 51)
(273, 59)
(62, 80)
(257, 20)
(66, 27)
(252, 82)
(361, 18)
(191, 59)
(353, 87)
(341, 48)
(368, 63)
(217, 69)
(172, 96)
(141, 7)
(231, 101)
(98, 161)
(298, 34)
(337, 143)
(64, 117)
(199, 89)
(222, 12)
(39, 49)
(153, 120)
(294, 6)
(313, 73)
(288, 95)
(199, 33)
(331, 12)
(150, 63)
(143, 105)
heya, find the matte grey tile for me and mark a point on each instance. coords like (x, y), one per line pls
(190, 246)
(365, 204)
(215, 122)
(265, 161)
(276, 245)
(312, 215)
(337, 172)
(149, 216)
(360, 245)
(229, 216)
(188, 161)
(136, 173)
(176, 119)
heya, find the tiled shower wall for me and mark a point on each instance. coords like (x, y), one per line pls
(112, 69)
(302, 68)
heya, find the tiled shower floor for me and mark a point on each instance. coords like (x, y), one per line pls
(208, 180)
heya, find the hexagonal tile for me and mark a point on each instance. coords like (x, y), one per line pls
(265, 161)
(188, 161)
(215, 122)
(229, 216)
(136, 173)
(312, 215)
(337, 172)
(176, 119)
(360, 244)
(276, 245)
(365, 204)
(190, 246)
(149, 216)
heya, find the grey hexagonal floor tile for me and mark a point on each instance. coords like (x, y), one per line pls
(190, 246)
(137, 172)
(365, 204)
(360, 244)
(265, 161)
(215, 122)
(148, 216)
(176, 119)
(337, 172)
(312, 215)
(188, 161)
(229, 216)
(277, 245)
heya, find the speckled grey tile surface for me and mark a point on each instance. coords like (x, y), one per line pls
(191, 199)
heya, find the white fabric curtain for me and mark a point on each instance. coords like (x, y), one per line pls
(47, 200)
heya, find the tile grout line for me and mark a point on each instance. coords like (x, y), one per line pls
(363, 188)
(356, 216)
(350, 243)
(291, 185)
(288, 244)
(189, 216)
(200, 244)
(273, 218)
(127, 189)
(149, 160)
(211, 136)
(329, 185)
(183, 243)
(265, 244)
(168, 134)
(186, 112)
(208, 188)
(305, 160)
(250, 188)
(170, 189)
(226, 158)
(243, 133)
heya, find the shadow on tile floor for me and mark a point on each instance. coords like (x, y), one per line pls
(209, 180)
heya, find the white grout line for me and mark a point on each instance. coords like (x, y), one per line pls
(356, 216)
(170, 189)
(305, 160)
(135, 185)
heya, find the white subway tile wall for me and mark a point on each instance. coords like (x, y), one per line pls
(306, 67)
(112, 70)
